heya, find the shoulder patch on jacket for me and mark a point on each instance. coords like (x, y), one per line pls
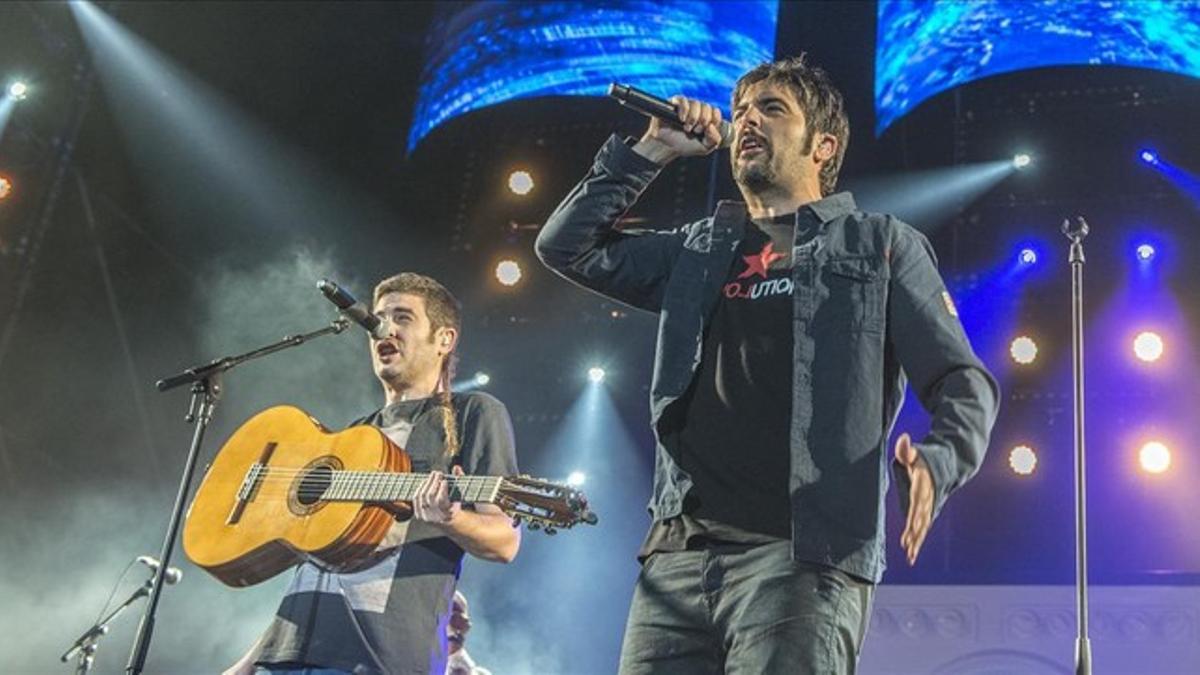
(949, 304)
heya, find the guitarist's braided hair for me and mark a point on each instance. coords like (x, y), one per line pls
(444, 311)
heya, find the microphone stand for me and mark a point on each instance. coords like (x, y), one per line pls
(1076, 231)
(87, 643)
(206, 391)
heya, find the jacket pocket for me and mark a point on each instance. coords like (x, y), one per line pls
(856, 293)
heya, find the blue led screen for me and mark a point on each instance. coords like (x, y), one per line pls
(486, 53)
(925, 47)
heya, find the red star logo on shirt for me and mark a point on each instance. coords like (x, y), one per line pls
(758, 263)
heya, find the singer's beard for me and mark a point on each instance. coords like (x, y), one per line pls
(755, 176)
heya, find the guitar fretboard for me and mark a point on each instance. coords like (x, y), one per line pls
(379, 486)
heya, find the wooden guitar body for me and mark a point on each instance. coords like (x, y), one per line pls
(245, 530)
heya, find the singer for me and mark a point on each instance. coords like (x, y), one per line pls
(390, 616)
(789, 324)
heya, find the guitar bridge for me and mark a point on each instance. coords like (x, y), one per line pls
(250, 485)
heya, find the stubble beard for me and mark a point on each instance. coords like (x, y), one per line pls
(405, 373)
(756, 176)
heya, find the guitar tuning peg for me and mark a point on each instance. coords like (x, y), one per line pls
(535, 525)
(551, 531)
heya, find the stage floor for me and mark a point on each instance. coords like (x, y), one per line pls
(1030, 630)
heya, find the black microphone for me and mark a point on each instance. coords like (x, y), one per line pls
(353, 309)
(172, 575)
(653, 106)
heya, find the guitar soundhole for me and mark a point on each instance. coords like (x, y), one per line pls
(313, 481)
(314, 485)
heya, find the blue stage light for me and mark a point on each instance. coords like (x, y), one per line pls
(1028, 256)
(596, 374)
(1149, 156)
(1145, 252)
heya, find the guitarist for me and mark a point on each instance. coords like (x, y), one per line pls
(389, 616)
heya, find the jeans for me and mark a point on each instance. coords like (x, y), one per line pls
(744, 609)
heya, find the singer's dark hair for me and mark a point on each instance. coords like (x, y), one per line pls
(444, 311)
(820, 101)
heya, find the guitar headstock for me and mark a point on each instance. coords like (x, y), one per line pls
(543, 504)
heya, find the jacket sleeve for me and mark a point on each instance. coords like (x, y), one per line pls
(581, 243)
(950, 381)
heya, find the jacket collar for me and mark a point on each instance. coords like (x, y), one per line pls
(730, 215)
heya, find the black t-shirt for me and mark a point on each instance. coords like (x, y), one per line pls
(390, 617)
(731, 430)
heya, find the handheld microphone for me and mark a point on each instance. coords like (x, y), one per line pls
(353, 309)
(653, 106)
(171, 576)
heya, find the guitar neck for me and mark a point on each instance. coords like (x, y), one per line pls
(381, 486)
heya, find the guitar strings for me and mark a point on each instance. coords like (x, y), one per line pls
(342, 480)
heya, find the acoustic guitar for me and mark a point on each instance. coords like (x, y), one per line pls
(284, 489)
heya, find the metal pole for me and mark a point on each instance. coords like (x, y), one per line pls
(1076, 231)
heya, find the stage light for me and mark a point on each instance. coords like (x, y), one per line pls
(595, 374)
(482, 378)
(1028, 256)
(508, 272)
(576, 478)
(1021, 160)
(1023, 350)
(6, 187)
(1148, 346)
(18, 90)
(1149, 156)
(1022, 460)
(520, 182)
(1145, 252)
(1154, 457)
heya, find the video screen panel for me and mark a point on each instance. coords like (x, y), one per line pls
(486, 53)
(925, 47)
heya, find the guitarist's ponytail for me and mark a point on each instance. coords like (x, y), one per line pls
(449, 418)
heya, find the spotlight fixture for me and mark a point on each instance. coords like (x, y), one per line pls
(576, 478)
(508, 272)
(595, 374)
(1021, 160)
(1149, 156)
(1023, 350)
(1145, 252)
(6, 187)
(1154, 457)
(1028, 256)
(520, 182)
(1022, 460)
(482, 378)
(1148, 346)
(18, 90)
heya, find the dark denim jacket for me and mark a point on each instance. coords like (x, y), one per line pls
(869, 310)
